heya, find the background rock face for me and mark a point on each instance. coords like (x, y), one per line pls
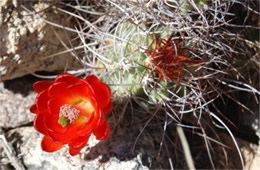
(26, 39)
(14, 107)
(26, 144)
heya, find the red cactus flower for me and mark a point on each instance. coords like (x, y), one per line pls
(168, 57)
(69, 109)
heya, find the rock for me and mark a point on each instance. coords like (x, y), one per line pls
(26, 143)
(252, 157)
(126, 165)
(117, 152)
(27, 40)
(14, 107)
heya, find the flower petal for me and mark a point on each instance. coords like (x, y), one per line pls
(70, 133)
(108, 107)
(39, 86)
(61, 138)
(38, 123)
(34, 109)
(49, 145)
(54, 107)
(76, 145)
(79, 125)
(103, 131)
(52, 120)
(93, 122)
(42, 100)
(79, 142)
(53, 125)
(60, 92)
(73, 131)
(80, 90)
(67, 78)
(74, 151)
(102, 91)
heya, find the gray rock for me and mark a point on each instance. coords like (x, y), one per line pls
(14, 108)
(26, 143)
(27, 40)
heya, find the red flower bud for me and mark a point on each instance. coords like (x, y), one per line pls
(69, 109)
(168, 57)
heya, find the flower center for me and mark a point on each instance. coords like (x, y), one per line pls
(67, 115)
